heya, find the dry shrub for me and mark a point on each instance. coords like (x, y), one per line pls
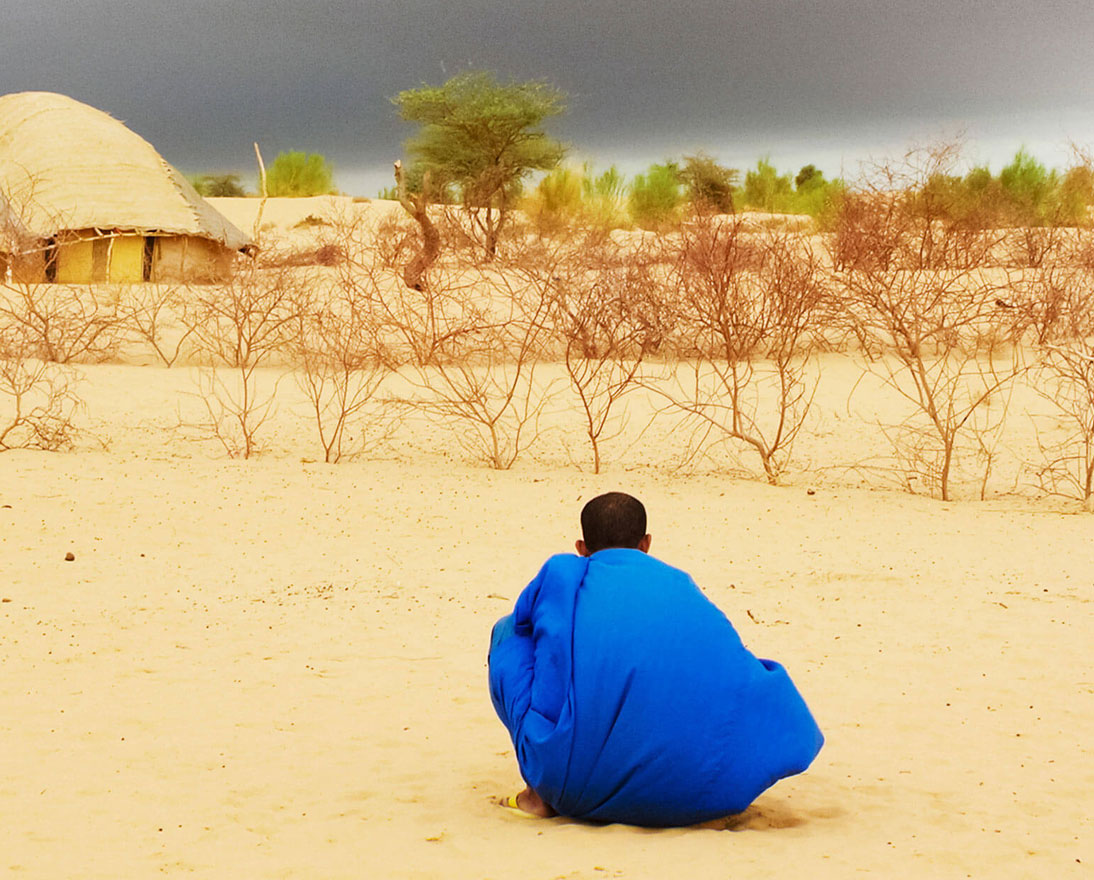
(1079, 249)
(239, 327)
(468, 338)
(445, 322)
(1065, 378)
(1037, 302)
(460, 239)
(62, 323)
(865, 236)
(396, 240)
(896, 217)
(342, 362)
(38, 401)
(1033, 246)
(604, 315)
(876, 230)
(152, 314)
(941, 337)
(323, 254)
(476, 341)
(749, 302)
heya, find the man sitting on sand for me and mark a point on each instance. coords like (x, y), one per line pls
(629, 696)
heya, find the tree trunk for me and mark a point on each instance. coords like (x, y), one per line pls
(417, 206)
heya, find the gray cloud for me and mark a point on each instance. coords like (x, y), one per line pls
(202, 80)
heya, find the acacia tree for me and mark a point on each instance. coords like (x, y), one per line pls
(485, 137)
(710, 185)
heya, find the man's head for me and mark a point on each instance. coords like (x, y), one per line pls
(613, 519)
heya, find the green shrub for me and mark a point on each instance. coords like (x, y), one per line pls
(299, 174)
(217, 185)
(605, 197)
(710, 186)
(557, 200)
(1025, 193)
(656, 197)
(1028, 186)
(1076, 195)
(766, 189)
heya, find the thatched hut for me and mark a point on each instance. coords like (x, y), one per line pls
(99, 202)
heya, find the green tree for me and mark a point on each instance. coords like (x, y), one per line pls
(810, 177)
(656, 196)
(710, 185)
(813, 195)
(1028, 186)
(299, 174)
(766, 189)
(484, 137)
(217, 185)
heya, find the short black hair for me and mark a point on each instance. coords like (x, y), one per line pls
(613, 519)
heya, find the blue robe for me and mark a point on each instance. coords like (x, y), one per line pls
(629, 696)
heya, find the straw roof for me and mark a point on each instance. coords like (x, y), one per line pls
(69, 166)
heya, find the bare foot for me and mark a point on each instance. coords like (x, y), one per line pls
(530, 802)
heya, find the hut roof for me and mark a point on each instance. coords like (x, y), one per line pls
(69, 166)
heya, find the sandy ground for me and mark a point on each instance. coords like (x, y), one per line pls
(276, 668)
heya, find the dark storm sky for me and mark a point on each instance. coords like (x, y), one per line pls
(828, 81)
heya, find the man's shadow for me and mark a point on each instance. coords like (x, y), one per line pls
(770, 813)
(765, 814)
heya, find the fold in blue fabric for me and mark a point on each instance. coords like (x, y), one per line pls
(630, 698)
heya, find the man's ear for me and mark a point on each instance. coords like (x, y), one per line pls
(582, 550)
(644, 544)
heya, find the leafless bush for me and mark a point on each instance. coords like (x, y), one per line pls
(418, 325)
(240, 327)
(396, 239)
(460, 237)
(152, 313)
(484, 379)
(38, 401)
(1033, 246)
(895, 218)
(750, 301)
(1065, 378)
(1079, 249)
(942, 339)
(61, 323)
(323, 254)
(445, 322)
(342, 363)
(1037, 303)
(866, 234)
(602, 315)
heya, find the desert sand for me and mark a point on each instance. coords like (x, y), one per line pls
(276, 668)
